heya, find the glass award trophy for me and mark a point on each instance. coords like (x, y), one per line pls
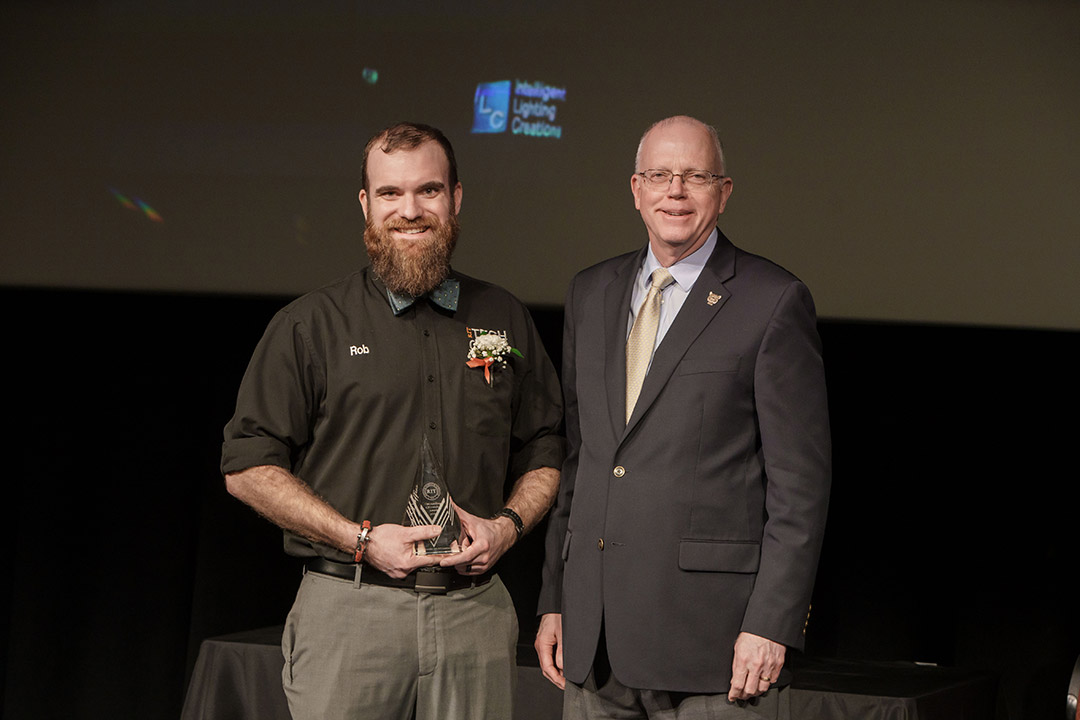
(429, 504)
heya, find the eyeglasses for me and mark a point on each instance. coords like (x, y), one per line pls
(693, 178)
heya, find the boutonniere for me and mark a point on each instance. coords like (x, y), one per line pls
(488, 349)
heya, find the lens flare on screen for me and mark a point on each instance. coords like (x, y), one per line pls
(150, 212)
(136, 204)
(122, 199)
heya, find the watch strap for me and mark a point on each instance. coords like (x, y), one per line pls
(506, 512)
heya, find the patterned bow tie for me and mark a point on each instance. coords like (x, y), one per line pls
(445, 296)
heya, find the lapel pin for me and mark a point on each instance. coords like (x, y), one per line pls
(713, 298)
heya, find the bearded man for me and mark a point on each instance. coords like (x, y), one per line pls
(346, 387)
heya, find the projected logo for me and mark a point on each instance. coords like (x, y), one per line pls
(526, 108)
(491, 105)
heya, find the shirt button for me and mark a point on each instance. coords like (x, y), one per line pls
(431, 378)
(431, 425)
(600, 544)
(619, 471)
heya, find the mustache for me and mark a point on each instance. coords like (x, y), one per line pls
(399, 224)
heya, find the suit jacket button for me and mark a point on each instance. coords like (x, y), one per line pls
(600, 544)
(619, 471)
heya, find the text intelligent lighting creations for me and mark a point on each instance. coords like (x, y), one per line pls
(525, 108)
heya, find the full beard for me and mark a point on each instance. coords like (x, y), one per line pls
(408, 267)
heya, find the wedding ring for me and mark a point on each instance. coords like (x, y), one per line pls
(766, 678)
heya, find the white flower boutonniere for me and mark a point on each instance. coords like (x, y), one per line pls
(488, 349)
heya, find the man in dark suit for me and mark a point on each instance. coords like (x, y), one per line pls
(682, 550)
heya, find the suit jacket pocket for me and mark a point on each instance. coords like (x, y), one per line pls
(719, 556)
(697, 364)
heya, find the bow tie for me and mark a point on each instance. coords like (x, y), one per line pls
(445, 296)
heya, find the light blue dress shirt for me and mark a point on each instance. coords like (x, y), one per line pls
(685, 272)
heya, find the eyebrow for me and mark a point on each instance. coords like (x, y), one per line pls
(432, 185)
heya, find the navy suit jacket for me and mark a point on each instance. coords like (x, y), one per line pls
(703, 516)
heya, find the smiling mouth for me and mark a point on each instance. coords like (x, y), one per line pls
(411, 230)
(676, 213)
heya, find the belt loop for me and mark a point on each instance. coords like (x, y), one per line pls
(356, 579)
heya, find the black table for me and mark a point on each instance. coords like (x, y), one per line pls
(238, 677)
(833, 688)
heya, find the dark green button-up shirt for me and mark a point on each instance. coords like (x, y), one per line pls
(341, 393)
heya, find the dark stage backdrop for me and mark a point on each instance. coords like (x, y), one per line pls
(951, 535)
(174, 172)
(911, 161)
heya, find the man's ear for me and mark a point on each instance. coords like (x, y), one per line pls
(363, 202)
(635, 188)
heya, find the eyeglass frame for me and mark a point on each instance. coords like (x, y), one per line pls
(713, 177)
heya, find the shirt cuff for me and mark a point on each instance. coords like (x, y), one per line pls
(242, 453)
(547, 451)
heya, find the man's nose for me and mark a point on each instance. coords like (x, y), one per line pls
(409, 208)
(677, 190)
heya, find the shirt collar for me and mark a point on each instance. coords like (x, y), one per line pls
(685, 271)
(445, 296)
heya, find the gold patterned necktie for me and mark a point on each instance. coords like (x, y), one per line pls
(639, 346)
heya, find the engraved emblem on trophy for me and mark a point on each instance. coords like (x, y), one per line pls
(429, 504)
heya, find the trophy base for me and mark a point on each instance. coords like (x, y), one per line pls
(421, 548)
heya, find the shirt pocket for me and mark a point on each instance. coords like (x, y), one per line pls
(489, 407)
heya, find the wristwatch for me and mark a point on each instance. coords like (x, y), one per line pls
(514, 518)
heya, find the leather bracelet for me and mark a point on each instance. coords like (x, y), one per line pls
(362, 541)
(514, 518)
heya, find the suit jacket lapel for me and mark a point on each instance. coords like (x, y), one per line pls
(704, 302)
(617, 298)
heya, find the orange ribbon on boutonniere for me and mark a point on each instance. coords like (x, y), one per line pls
(484, 363)
(489, 349)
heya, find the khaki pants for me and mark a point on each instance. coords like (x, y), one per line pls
(377, 652)
(603, 697)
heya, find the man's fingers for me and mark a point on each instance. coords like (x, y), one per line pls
(465, 557)
(553, 674)
(464, 516)
(548, 646)
(738, 685)
(748, 684)
(421, 532)
(559, 665)
(756, 665)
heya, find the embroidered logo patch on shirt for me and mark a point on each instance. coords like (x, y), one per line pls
(472, 333)
(359, 350)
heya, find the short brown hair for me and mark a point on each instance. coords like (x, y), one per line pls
(408, 136)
